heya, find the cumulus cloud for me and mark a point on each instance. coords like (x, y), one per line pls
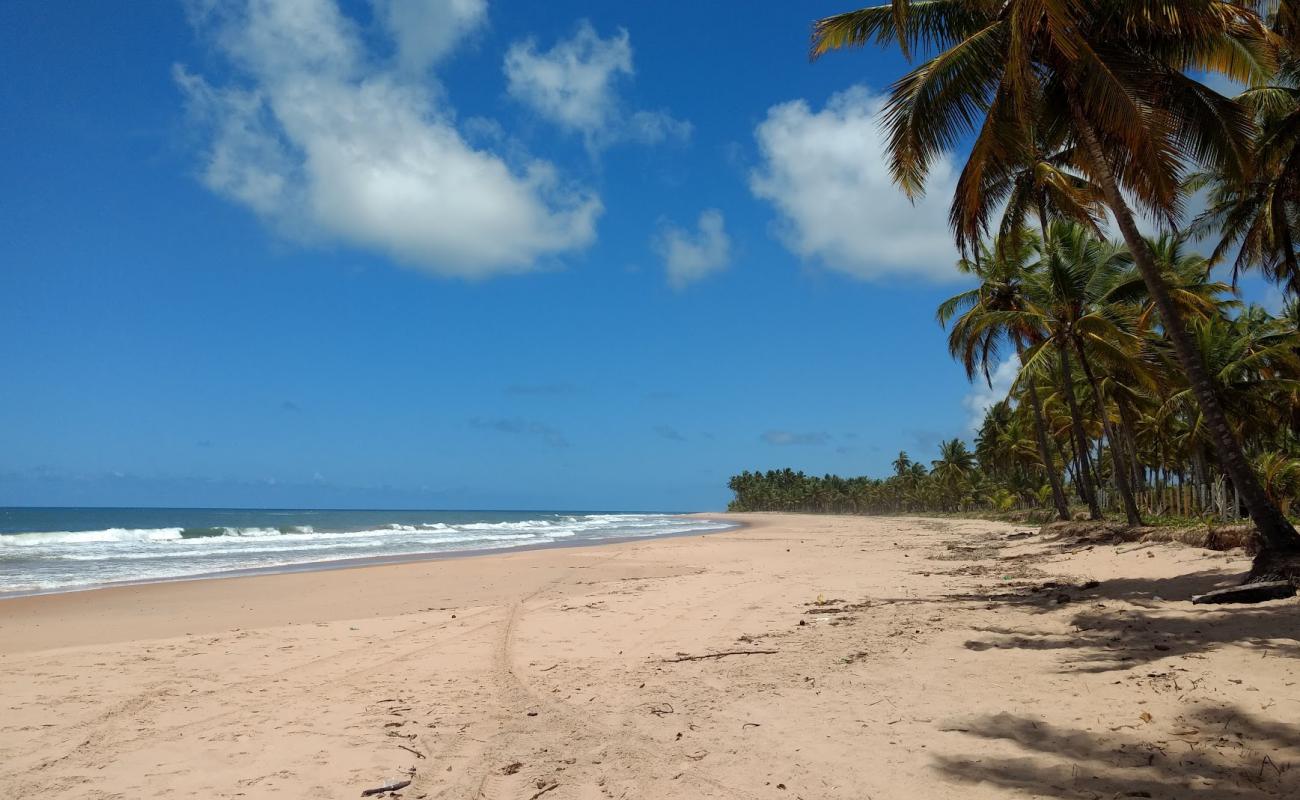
(425, 31)
(982, 396)
(827, 174)
(575, 86)
(788, 438)
(690, 256)
(323, 144)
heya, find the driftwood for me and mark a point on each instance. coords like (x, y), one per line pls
(392, 787)
(723, 654)
(1248, 593)
(409, 750)
(544, 790)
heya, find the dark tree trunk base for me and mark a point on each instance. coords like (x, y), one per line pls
(1248, 593)
(1273, 576)
(1271, 565)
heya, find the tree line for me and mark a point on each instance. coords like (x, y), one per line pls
(1099, 416)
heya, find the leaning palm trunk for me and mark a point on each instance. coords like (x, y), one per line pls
(1277, 534)
(1119, 465)
(1040, 427)
(1044, 452)
(1130, 444)
(1084, 468)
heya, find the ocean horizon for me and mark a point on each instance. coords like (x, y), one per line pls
(53, 549)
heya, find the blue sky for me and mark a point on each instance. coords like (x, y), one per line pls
(453, 254)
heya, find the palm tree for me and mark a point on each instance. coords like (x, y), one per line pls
(954, 469)
(1073, 301)
(1258, 212)
(984, 325)
(902, 464)
(1112, 74)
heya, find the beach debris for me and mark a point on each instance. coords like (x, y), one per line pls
(543, 787)
(512, 768)
(388, 787)
(723, 654)
(1248, 593)
(660, 709)
(417, 753)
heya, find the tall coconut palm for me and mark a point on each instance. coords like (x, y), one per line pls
(1257, 213)
(1113, 74)
(1073, 300)
(983, 327)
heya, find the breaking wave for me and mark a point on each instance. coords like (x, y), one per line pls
(57, 560)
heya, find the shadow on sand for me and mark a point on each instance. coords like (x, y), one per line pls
(1207, 754)
(1101, 639)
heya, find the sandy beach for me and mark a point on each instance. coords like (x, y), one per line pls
(874, 658)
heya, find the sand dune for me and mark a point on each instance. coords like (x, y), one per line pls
(912, 659)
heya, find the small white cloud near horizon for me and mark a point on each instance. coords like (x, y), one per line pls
(575, 86)
(982, 397)
(827, 174)
(691, 256)
(324, 143)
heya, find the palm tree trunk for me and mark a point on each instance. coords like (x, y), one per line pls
(1130, 443)
(1084, 473)
(1119, 463)
(1072, 469)
(1275, 531)
(1040, 434)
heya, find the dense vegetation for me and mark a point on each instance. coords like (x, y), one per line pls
(1135, 367)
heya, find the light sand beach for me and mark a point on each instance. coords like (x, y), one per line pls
(875, 658)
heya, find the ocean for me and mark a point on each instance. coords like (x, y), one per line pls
(62, 549)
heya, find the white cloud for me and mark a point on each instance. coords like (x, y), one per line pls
(982, 397)
(1274, 300)
(827, 174)
(324, 145)
(575, 86)
(653, 127)
(427, 30)
(691, 256)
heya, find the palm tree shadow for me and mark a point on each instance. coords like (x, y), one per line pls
(1210, 753)
(1179, 587)
(1101, 640)
(1050, 595)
